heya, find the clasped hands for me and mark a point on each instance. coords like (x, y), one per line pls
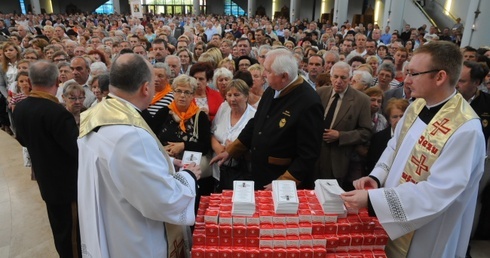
(174, 148)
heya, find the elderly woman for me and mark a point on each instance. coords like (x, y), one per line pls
(394, 111)
(221, 78)
(207, 99)
(182, 126)
(229, 122)
(73, 96)
(385, 78)
(258, 86)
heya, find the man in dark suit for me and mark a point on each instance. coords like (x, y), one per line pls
(176, 31)
(402, 92)
(287, 37)
(49, 132)
(347, 124)
(284, 137)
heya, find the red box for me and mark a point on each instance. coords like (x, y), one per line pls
(225, 207)
(227, 193)
(253, 253)
(200, 218)
(266, 253)
(239, 242)
(198, 252)
(379, 254)
(293, 253)
(239, 231)
(317, 229)
(200, 225)
(332, 241)
(344, 240)
(306, 252)
(225, 252)
(319, 252)
(331, 228)
(199, 239)
(212, 230)
(369, 240)
(303, 206)
(280, 253)
(263, 193)
(225, 241)
(253, 242)
(253, 231)
(212, 252)
(239, 252)
(225, 231)
(381, 239)
(368, 224)
(343, 226)
(356, 225)
(212, 241)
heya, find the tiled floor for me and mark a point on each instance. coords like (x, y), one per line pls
(24, 228)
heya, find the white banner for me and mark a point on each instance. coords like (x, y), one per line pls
(136, 8)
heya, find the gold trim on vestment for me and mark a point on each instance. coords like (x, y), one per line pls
(452, 115)
(116, 112)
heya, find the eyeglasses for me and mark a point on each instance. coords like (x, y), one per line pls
(408, 73)
(75, 99)
(186, 92)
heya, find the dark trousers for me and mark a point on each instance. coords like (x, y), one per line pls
(63, 219)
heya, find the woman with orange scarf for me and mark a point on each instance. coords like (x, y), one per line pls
(163, 91)
(182, 126)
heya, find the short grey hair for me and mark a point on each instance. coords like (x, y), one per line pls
(387, 67)
(341, 65)
(185, 79)
(283, 61)
(222, 72)
(366, 77)
(164, 66)
(333, 53)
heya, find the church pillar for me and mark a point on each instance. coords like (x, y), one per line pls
(340, 11)
(117, 5)
(251, 8)
(393, 14)
(197, 7)
(475, 31)
(36, 6)
(293, 10)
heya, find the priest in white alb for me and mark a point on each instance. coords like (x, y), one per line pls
(424, 187)
(132, 203)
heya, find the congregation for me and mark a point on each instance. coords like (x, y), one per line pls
(262, 99)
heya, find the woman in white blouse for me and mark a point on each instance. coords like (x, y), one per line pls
(230, 119)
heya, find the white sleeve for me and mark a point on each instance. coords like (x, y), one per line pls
(459, 167)
(140, 172)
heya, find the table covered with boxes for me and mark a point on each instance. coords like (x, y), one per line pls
(284, 222)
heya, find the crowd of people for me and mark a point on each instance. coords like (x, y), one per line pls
(262, 99)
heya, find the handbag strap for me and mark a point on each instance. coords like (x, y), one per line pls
(196, 123)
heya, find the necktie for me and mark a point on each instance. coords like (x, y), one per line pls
(331, 111)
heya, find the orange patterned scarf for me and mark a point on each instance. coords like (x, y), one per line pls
(184, 116)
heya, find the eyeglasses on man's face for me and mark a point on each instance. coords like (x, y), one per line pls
(412, 74)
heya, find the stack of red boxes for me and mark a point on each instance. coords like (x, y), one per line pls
(308, 234)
